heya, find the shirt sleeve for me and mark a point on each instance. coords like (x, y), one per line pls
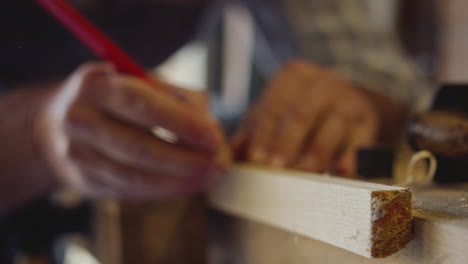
(339, 34)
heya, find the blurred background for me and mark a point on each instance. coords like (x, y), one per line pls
(232, 57)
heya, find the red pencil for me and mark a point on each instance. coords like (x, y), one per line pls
(94, 39)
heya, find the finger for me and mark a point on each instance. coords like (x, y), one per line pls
(279, 95)
(125, 181)
(362, 135)
(135, 147)
(197, 99)
(297, 123)
(238, 142)
(223, 161)
(319, 152)
(290, 77)
(86, 183)
(259, 139)
(240, 139)
(135, 102)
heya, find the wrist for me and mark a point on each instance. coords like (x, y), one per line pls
(40, 130)
(25, 172)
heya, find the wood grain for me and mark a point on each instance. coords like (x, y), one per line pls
(371, 220)
(149, 232)
(440, 227)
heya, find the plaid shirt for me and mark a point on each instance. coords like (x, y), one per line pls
(338, 34)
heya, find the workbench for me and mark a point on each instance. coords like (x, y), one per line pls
(171, 232)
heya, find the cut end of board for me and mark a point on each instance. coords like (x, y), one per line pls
(391, 221)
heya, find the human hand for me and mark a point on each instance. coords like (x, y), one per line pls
(308, 118)
(99, 130)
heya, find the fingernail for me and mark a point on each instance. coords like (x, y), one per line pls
(258, 155)
(278, 162)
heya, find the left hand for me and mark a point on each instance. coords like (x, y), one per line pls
(108, 135)
(308, 118)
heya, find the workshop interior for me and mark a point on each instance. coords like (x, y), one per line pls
(233, 131)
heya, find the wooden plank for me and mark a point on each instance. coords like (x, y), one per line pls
(441, 236)
(371, 220)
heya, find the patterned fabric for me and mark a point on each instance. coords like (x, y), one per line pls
(338, 34)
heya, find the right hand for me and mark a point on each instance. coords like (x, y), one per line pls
(96, 132)
(309, 118)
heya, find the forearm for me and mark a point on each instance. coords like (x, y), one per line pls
(24, 174)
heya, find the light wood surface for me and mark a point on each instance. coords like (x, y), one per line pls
(371, 220)
(440, 236)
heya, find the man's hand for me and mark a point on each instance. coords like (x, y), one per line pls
(308, 118)
(99, 132)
